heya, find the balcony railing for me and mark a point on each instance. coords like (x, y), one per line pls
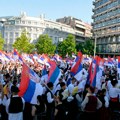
(94, 2)
(107, 26)
(107, 18)
(109, 33)
(110, 9)
(102, 5)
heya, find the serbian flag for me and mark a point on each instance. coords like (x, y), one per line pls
(2, 57)
(30, 86)
(8, 57)
(77, 67)
(100, 70)
(110, 61)
(119, 65)
(44, 58)
(93, 72)
(44, 77)
(17, 56)
(54, 73)
(5, 56)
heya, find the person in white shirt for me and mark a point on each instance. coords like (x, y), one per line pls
(81, 85)
(71, 86)
(114, 95)
(57, 87)
(50, 103)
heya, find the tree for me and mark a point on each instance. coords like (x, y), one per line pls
(45, 45)
(68, 46)
(22, 43)
(87, 47)
(1, 42)
(80, 47)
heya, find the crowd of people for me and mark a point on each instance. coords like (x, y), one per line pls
(70, 99)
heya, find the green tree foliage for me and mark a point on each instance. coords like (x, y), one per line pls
(67, 46)
(22, 43)
(87, 47)
(1, 42)
(45, 45)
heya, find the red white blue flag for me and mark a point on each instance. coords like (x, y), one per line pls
(77, 67)
(30, 86)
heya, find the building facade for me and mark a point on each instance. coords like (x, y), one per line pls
(78, 25)
(106, 26)
(11, 28)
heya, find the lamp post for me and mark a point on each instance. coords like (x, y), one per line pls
(95, 45)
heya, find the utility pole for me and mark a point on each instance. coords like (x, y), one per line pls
(95, 45)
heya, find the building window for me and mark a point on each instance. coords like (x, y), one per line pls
(118, 38)
(10, 28)
(11, 34)
(47, 25)
(118, 48)
(6, 34)
(6, 27)
(6, 40)
(31, 29)
(29, 22)
(114, 39)
(35, 23)
(16, 34)
(23, 22)
(37, 29)
(56, 39)
(51, 37)
(16, 28)
(108, 39)
(17, 22)
(11, 40)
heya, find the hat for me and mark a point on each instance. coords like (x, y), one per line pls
(14, 89)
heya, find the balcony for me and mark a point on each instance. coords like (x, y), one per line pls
(93, 16)
(110, 33)
(113, 8)
(94, 2)
(102, 5)
(107, 26)
(93, 10)
(107, 18)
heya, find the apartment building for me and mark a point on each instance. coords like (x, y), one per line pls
(106, 26)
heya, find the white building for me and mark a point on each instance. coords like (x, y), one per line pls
(11, 28)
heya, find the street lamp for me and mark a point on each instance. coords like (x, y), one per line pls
(95, 45)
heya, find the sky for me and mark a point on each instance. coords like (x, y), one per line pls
(53, 9)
